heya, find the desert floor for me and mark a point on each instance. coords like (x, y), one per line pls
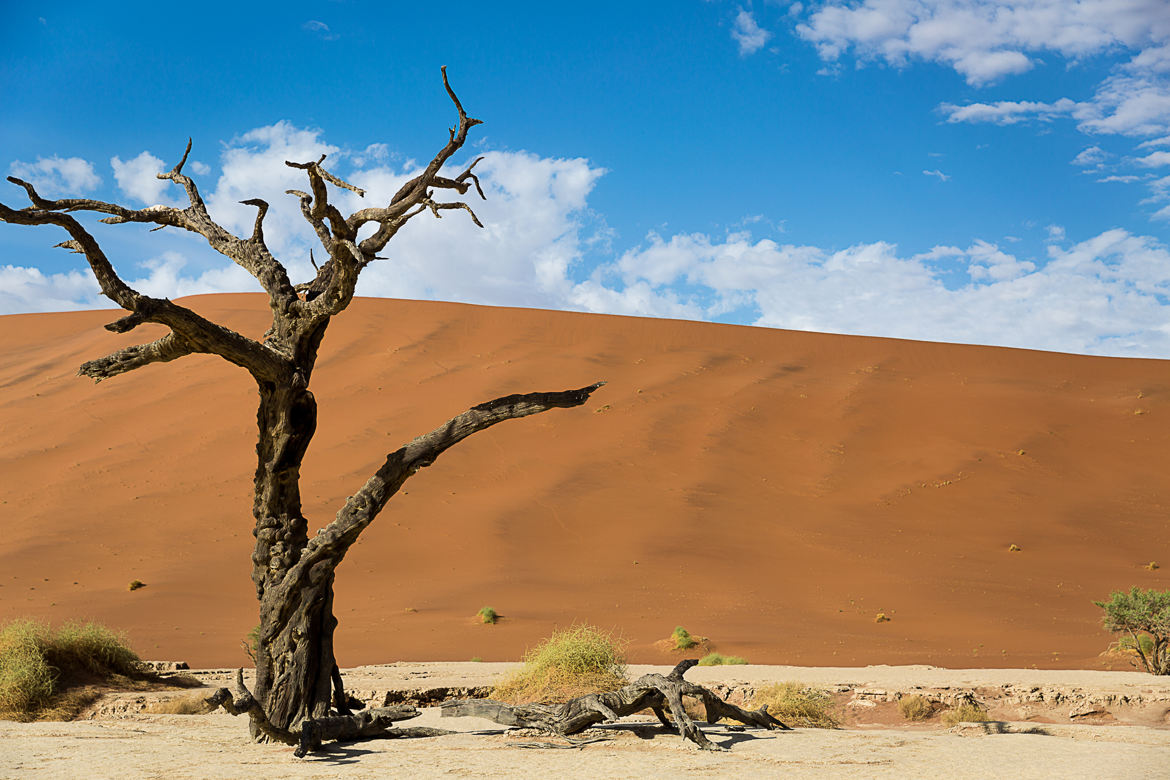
(1123, 731)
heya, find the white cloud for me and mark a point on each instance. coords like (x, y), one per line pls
(748, 34)
(1007, 112)
(937, 174)
(1154, 160)
(138, 179)
(1103, 295)
(321, 29)
(1127, 179)
(1091, 156)
(58, 176)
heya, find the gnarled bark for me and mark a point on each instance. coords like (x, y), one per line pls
(293, 574)
(650, 691)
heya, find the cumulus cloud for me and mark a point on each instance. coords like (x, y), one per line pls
(57, 176)
(138, 179)
(748, 34)
(1154, 160)
(1104, 294)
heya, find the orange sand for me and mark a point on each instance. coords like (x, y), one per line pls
(771, 490)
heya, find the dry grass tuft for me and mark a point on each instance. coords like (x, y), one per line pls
(965, 713)
(574, 662)
(917, 707)
(135, 585)
(194, 704)
(798, 705)
(682, 639)
(488, 615)
(43, 673)
(716, 659)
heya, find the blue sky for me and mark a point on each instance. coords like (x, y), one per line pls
(951, 170)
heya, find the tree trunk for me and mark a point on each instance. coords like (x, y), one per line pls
(294, 657)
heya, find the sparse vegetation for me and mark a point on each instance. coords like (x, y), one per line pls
(475, 659)
(1143, 616)
(716, 659)
(881, 617)
(682, 639)
(797, 704)
(192, 704)
(570, 663)
(135, 585)
(251, 643)
(40, 666)
(968, 712)
(488, 615)
(1014, 548)
(916, 707)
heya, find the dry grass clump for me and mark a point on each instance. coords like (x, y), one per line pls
(488, 615)
(193, 704)
(570, 663)
(38, 666)
(916, 707)
(716, 659)
(968, 712)
(798, 705)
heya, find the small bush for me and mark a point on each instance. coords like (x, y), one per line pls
(135, 585)
(488, 615)
(799, 705)
(251, 643)
(1144, 616)
(570, 663)
(916, 707)
(194, 704)
(682, 639)
(715, 659)
(964, 713)
(881, 617)
(38, 664)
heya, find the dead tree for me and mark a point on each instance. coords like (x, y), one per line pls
(650, 691)
(296, 672)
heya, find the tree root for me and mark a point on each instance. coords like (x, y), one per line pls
(651, 691)
(373, 723)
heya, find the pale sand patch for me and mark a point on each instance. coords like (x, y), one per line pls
(134, 745)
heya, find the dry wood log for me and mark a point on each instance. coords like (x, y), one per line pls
(651, 691)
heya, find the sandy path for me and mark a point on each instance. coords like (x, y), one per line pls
(216, 746)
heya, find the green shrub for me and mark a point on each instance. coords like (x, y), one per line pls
(682, 639)
(798, 705)
(1144, 615)
(488, 615)
(135, 585)
(38, 664)
(969, 712)
(715, 659)
(570, 663)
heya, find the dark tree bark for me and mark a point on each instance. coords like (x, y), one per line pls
(650, 691)
(297, 678)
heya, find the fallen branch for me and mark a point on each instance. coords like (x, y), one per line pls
(651, 691)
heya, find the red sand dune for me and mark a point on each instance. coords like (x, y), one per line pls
(771, 490)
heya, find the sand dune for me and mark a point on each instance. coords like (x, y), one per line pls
(771, 490)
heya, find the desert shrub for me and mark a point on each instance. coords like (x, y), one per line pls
(570, 663)
(488, 615)
(251, 643)
(968, 712)
(1144, 616)
(194, 704)
(682, 639)
(798, 705)
(135, 585)
(37, 663)
(916, 707)
(715, 659)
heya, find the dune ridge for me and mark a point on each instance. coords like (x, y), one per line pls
(771, 490)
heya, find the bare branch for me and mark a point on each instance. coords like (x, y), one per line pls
(332, 542)
(163, 350)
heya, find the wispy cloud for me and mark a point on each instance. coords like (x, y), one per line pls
(321, 29)
(748, 34)
(938, 174)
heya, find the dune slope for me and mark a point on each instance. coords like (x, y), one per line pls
(771, 490)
